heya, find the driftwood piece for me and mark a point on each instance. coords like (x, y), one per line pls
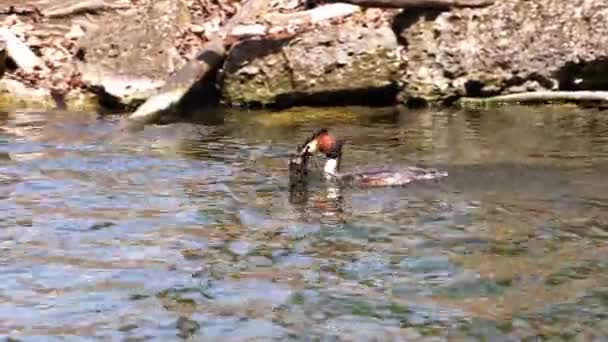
(438, 4)
(19, 52)
(539, 97)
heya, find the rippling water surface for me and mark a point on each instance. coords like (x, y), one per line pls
(189, 230)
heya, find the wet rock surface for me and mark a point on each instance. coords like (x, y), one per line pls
(124, 51)
(14, 94)
(325, 64)
(509, 47)
(129, 55)
(41, 37)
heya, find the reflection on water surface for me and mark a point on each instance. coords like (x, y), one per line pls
(189, 230)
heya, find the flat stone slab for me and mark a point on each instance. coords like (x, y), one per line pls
(326, 60)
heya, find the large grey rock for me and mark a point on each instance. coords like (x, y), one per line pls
(325, 61)
(511, 46)
(130, 54)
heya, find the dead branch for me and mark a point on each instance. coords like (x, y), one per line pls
(90, 6)
(19, 52)
(540, 96)
(438, 4)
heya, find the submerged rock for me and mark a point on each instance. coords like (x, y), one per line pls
(129, 56)
(327, 65)
(509, 47)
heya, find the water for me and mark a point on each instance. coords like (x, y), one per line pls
(190, 231)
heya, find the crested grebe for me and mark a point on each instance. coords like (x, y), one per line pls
(322, 142)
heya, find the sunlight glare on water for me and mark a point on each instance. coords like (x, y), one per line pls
(189, 230)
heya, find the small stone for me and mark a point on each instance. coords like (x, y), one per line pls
(25, 222)
(250, 70)
(101, 225)
(5, 156)
(186, 327)
(241, 247)
(128, 327)
(259, 261)
(197, 28)
(75, 32)
(193, 254)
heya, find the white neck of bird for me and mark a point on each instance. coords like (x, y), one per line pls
(331, 167)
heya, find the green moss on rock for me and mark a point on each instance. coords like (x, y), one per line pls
(15, 95)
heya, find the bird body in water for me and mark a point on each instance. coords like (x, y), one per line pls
(322, 142)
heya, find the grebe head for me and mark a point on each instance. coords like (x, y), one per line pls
(319, 141)
(322, 142)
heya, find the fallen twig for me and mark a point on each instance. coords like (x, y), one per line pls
(83, 7)
(540, 96)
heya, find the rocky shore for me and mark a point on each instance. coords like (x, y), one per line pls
(83, 54)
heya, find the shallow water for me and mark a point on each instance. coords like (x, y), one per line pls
(189, 230)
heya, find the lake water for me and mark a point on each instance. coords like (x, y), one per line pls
(189, 230)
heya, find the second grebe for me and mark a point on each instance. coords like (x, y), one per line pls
(321, 141)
